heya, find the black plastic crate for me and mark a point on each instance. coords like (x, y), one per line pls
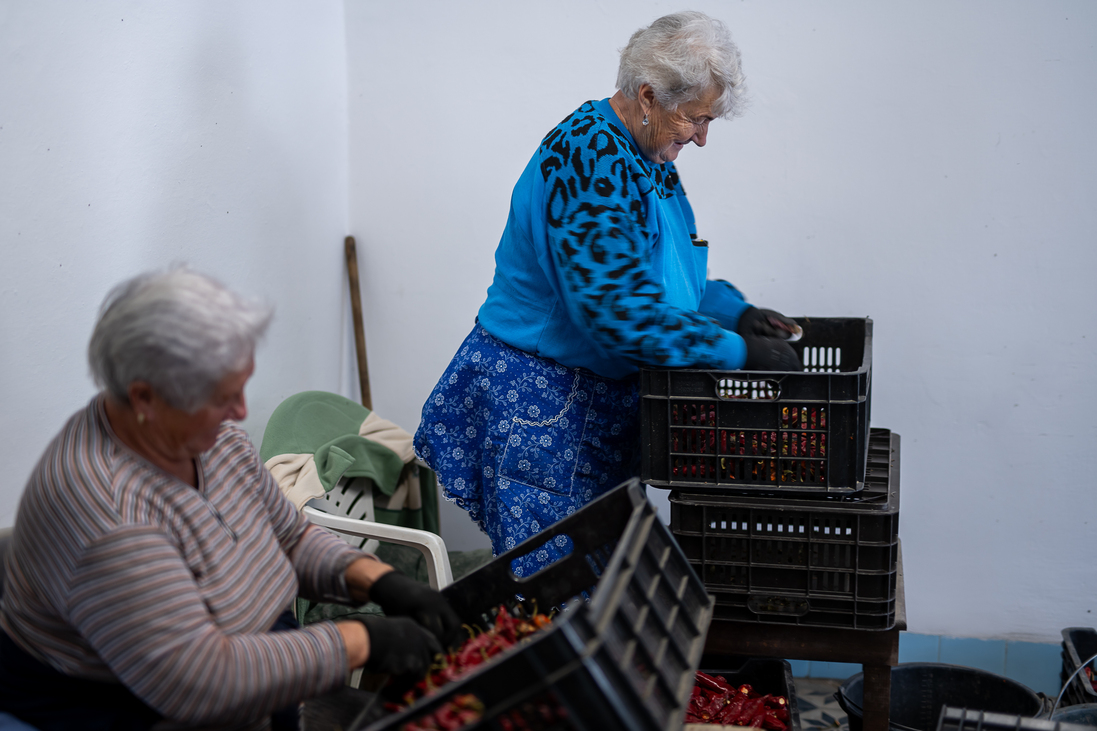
(831, 563)
(1079, 644)
(961, 719)
(752, 431)
(764, 674)
(625, 659)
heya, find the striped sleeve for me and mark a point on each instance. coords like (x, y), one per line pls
(164, 646)
(319, 558)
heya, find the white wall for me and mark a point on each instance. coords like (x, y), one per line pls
(929, 164)
(137, 134)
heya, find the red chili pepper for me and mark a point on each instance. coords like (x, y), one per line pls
(731, 712)
(747, 712)
(772, 722)
(715, 705)
(446, 716)
(713, 701)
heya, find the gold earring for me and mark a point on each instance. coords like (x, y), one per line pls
(140, 418)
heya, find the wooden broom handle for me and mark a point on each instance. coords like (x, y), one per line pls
(359, 328)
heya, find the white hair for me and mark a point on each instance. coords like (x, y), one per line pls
(681, 56)
(179, 331)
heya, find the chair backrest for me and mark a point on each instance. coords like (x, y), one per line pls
(351, 498)
(348, 511)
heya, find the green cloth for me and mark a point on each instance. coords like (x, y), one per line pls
(326, 425)
(424, 519)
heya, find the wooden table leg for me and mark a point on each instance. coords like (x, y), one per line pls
(877, 697)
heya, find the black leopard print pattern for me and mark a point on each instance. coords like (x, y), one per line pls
(595, 186)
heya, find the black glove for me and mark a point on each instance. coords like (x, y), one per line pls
(765, 333)
(398, 646)
(766, 323)
(770, 354)
(401, 596)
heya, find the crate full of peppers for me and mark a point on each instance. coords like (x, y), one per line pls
(608, 637)
(758, 693)
(823, 563)
(801, 434)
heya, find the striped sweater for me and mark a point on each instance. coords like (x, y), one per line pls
(119, 571)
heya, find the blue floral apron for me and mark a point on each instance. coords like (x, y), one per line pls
(521, 442)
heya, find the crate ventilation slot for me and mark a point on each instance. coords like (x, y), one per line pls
(731, 389)
(822, 360)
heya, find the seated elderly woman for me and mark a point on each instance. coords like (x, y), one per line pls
(599, 271)
(154, 557)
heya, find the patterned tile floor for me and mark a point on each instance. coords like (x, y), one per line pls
(819, 710)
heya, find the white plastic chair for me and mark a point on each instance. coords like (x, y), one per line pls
(347, 510)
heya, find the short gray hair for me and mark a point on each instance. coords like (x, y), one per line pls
(179, 331)
(681, 56)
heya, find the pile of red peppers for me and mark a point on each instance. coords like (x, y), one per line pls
(459, 712)
(714, 701)
(505, 633)
(480, 647)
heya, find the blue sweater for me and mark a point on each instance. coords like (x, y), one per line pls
(599, 266)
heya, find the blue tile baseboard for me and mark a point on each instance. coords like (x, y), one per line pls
(1036, 664)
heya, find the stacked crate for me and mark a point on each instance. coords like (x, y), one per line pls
(783, 499)
(625, 642)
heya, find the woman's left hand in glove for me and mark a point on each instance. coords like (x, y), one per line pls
(401, 596)
(767, 324)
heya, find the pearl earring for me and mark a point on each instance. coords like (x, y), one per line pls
(140, 418)
(645, 122)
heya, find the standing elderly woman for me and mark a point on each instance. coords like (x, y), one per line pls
(599, 271)
(153, 554)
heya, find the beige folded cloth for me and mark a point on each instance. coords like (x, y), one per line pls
(299, 480)
(297, 477)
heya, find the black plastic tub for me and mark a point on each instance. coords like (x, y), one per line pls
(959, 719)
(920, 689)
(1084, 714)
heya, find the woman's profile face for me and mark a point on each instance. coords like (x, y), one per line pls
(668, 132)
(195, 433)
